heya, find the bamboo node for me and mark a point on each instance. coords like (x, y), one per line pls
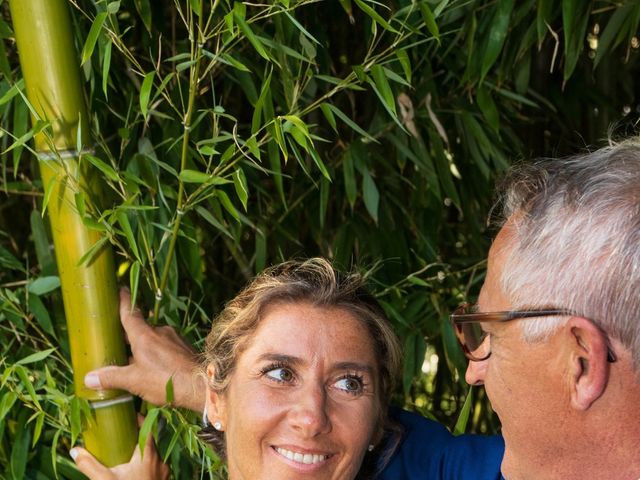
(63, 154)
(112, 401)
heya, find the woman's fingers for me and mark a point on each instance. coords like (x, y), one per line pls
(88, 465)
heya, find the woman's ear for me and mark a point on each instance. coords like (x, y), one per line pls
(588, 362)
(215, 402)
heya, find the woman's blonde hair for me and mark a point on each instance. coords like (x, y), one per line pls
(313, 281)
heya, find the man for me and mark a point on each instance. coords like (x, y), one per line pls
(555, 337)
(564, 376)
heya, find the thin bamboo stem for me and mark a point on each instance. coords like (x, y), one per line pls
(50, 68)
(197, 42)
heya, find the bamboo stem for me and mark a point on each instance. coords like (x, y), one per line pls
(196, 46)
(50, 69)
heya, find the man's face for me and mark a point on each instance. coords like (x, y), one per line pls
(524, 381)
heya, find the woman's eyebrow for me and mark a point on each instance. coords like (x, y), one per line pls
(292, 360)
(280, 358)
(361, 367)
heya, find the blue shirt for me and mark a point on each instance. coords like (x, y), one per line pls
(428, 451)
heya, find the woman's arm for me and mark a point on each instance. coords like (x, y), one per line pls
(158, 354)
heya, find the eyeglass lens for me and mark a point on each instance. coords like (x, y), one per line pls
(472, 338)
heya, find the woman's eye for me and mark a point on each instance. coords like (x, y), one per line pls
(280, 374)
(350, 384)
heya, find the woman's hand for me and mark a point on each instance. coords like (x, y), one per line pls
(158, 353)
(149, 467)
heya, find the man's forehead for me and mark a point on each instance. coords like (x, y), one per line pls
(505, 240)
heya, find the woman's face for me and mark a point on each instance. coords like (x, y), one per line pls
(303, 400)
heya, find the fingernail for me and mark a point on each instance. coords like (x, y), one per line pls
(91, 380)
(73, 453)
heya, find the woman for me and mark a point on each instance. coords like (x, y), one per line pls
(299, 370)
(297, 379)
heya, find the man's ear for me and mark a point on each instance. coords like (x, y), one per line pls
(215, 402)
(588, 362)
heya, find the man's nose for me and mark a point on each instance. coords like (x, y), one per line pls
(476, 372)
(310, 415)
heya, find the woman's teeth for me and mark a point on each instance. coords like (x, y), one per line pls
(306, 458)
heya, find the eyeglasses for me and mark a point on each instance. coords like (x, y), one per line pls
(466, 321)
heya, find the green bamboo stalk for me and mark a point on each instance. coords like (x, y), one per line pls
(51, 72)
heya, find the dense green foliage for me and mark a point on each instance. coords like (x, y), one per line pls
(231, 136)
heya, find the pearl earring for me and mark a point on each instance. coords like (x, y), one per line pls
(371, 447)
(217, 426)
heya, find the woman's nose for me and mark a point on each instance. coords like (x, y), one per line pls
(310, 415)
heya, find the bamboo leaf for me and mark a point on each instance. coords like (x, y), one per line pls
(168, 391)
(349, 122)
(204, 213)
(113, 7)
(7, 260)
(257, 109)
(12, 92)
(134, 280)
(102, 166)
(42, 245)
(463, 417)
(405, 63)
(429, 20)
(370, 195)
(488, 108)
(234, 62)
(251, 36)
(252, 144)
(497, 35)
(276, 168)
(44, 285)
(319, 163)
(27, 383)
(106, 66)
(194, 176)
(144, 10)
(349, 175)
(123, 221)
(41, 314)
(75, 418)
(575, 18)
(544, 10)
(328, 114)
(226, 203)
(386, 94)
(145, 92)
(95, 249)
(147, 425)
(8, 400)
(375, 16)
(37, 429)
(607, 40)
(92, 37)
(19, 450)
(35, 357)
(241, 186)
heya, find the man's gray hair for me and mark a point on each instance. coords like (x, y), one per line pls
(578, 241)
